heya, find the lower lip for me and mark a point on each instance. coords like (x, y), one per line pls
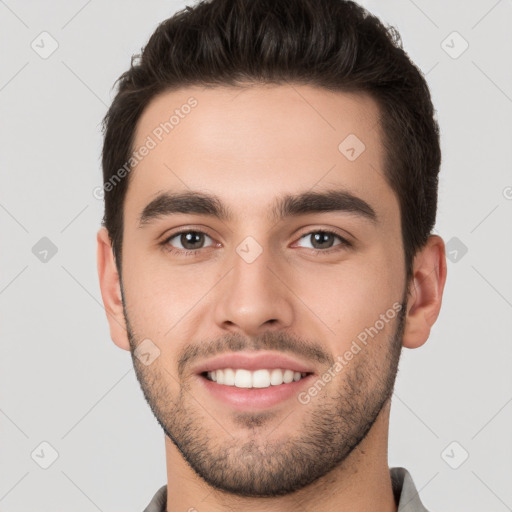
(249, 399)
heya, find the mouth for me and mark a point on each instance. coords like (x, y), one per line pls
(259, 379)
(254, 381)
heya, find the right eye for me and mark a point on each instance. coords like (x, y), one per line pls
(189, 240)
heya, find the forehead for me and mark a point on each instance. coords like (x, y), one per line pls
(251, 144)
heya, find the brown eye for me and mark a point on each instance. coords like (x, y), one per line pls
(323, 240)
(189, 240)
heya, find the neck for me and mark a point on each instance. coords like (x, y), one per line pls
(362, 483)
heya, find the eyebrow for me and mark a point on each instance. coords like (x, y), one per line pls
(200, 203)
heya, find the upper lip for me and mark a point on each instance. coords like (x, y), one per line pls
(253, 361)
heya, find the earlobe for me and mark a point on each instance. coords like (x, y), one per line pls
(111, 290)
(425, 292)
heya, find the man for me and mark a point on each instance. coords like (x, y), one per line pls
(270, 176)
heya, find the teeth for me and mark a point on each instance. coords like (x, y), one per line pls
(257, 379)
(288, 376)
(229, 377)
(243, 379)
(276, 377)
(260, 379)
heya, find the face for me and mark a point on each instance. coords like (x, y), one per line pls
(287, 256)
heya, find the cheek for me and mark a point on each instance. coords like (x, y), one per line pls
(160, 296)
(350, 297)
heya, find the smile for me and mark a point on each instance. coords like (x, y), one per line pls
(261, 378)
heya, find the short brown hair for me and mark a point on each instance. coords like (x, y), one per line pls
(332, 44)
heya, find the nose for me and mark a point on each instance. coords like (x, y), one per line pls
(254, 296)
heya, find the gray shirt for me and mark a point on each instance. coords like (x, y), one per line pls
(404, 490)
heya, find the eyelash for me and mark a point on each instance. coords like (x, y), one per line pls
(192, 252)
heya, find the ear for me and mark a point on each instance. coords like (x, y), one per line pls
(425, 292)
(111, 290)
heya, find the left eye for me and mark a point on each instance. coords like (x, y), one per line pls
(324, 239)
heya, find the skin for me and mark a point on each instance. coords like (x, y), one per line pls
(249, 146)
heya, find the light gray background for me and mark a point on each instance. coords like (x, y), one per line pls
(63, 381)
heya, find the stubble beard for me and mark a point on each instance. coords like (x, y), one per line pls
(243, 455)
